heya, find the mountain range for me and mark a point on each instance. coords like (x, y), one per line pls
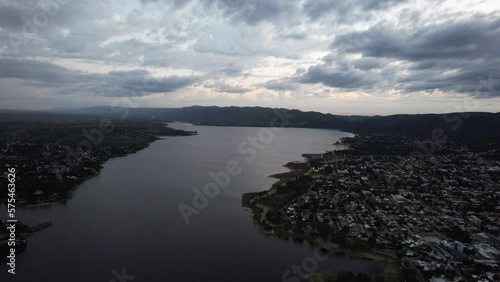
(474, 128)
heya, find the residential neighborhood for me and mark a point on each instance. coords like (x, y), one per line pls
(439, 212)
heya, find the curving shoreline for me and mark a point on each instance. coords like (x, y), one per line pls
(296, 167)
(259, 211)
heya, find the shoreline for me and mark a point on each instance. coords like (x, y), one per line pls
(98, 169)
(22, 238)
(296, 168)
(391, 265)
(75, 185)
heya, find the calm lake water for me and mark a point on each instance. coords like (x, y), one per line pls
(128, 216)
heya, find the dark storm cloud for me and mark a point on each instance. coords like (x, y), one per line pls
(329, 77)
(142, 80)
(450, 56)
(474, 38)
(254, 11)
(36, 16)
(345, 9)
(482, 80)
(10, 16)
(443, 47)
(117, 83)
(290, 11)
(426, 64)
(248, 11)
(366, 63)
(55, 29)
(31, 70)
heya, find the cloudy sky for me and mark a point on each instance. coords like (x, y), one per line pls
(343, 57)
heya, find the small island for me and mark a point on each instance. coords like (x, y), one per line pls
(23, 232)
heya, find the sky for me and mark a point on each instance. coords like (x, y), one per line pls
(368, 57)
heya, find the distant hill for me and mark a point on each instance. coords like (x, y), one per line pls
(473, 128)
(229, 116)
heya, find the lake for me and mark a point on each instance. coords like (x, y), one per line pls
(128, 215)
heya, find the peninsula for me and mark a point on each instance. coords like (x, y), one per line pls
(423, 216)
(56, 153)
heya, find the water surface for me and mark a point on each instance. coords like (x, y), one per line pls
(128, 216)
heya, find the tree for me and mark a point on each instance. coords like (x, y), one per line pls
(469, 251)
(340, 237)
(458, 234)
(363, 278)
(328, 170)
(372, 241)
(324, 230)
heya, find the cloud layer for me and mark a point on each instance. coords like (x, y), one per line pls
(334, 56)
